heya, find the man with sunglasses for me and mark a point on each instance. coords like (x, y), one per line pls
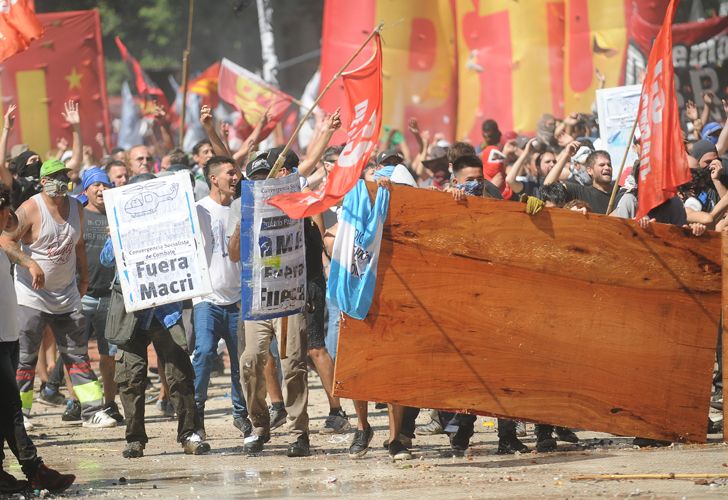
(140, 161)
(48, 248)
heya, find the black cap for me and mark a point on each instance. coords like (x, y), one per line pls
(266, 160)
(701, 148)
(389, 153)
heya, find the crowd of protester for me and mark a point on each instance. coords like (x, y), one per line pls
(59, 289)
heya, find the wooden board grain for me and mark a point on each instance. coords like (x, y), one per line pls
(582, 321)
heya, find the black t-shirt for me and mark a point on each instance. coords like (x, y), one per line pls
(670, 212)
(94, 234)
(598, 200)
(314, 249)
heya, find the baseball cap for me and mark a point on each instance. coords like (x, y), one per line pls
(701, 148)
(266, 160)
(51, 167)
(390, 153)
(93, 175)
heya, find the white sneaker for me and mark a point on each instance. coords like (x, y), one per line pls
(100, 420)
(28, 423)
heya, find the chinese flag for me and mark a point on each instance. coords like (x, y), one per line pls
(251, 96)
(67, 63)
(205, 85)
(18, 27)
(663, 161)
(363, 87)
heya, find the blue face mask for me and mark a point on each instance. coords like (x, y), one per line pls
(472, 188)
(384, 172)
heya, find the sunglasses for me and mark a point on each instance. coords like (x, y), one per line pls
(144, 158)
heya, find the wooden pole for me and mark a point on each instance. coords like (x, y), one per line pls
(186, 73)
(282, 156)
(724, 332)
(283, 344)
(621, 167)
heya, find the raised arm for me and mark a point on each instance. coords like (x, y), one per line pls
(517, 168)
(162, 123)
(208, 123)
(250, 142)
(722, 144)
(555, 173)
(315, 151)
(73, 118)
(6, 178)
(707, 105)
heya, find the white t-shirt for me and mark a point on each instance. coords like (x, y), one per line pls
(8, 302)
(224, 273)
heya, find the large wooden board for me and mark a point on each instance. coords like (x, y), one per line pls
(582, 321)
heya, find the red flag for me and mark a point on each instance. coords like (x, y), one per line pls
(363, 88)
(18, 27)
(251, 96)
(663, 161)
(205, 85)
(146, 91)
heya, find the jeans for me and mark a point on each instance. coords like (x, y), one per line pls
(332, 329)
(212, 323)
(95, 310)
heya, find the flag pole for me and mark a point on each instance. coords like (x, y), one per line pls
(186, 73)
(621, 167)
(282, 156)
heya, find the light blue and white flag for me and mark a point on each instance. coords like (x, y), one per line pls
(353, 271)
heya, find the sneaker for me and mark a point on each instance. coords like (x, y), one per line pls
(398, 451)
(99, 420)
(566, 435)
(112, 410)
(360, 443)
(73, 411)
(50, 397)
(46, 478)
(649, 443)
(195, 445)
(430, 429)
(336, 424)
(135, 449)
(166, 408)
(278, 415)
(405, 440)
(28, 423)
(521, 429)
(545, 442)
(300, 447)
(253, 444)
(9, 484)
(244, 425)
(510, 445)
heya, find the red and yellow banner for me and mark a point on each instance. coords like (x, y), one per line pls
(67, 63)
(18, 27)
(454, 63)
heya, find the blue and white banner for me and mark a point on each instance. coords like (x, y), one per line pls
(353, 270)
(272, 252)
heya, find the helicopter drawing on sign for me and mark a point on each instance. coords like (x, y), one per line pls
(146, 198)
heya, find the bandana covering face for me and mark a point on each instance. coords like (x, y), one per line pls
(472, 188)
(55, 188)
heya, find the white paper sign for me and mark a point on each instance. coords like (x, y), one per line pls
(157, 242)
(272, 252)
(617, 111)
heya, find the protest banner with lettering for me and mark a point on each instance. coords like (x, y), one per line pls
(157, 242)
(617, 111)
(272, 252)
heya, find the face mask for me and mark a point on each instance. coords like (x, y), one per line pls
(472, 188)
(55, 188)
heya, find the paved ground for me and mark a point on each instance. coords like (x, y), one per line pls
(95, 456)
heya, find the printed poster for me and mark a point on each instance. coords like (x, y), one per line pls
(157, 242)
(272, 252)
(617, 111)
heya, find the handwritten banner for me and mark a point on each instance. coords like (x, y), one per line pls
(157, 242)
(272, 252)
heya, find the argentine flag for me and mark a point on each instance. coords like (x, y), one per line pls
(353, 270)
